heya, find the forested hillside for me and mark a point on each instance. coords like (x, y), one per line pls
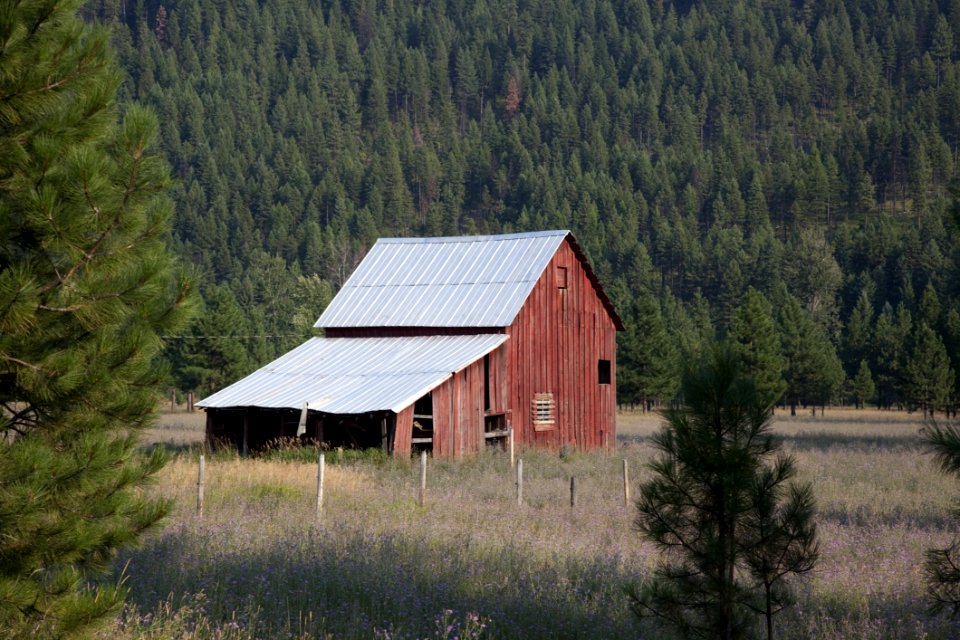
(777, 171)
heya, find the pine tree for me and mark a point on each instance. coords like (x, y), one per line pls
(780, 535)
(218, 350)
(648, 356)
(813, 276)
(929, 376)
(857, 337)
(754, 332)
(88, 288)
(813, 372)
(891, 333)
(722, 508)
(943, 564)
(863, 387)
(929, 307)
(942, 44)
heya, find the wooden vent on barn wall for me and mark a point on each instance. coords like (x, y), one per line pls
(544, 411)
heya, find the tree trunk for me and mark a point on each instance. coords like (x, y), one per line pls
(769, 613)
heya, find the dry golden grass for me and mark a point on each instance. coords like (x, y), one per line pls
(182, 428)
(376, 565)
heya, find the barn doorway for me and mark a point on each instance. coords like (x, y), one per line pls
(423, 423)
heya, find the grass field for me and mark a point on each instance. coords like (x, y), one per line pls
(472, 563)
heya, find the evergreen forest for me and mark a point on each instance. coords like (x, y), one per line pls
(779, 172)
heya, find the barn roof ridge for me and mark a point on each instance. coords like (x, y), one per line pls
(493, 237)
(454, 281)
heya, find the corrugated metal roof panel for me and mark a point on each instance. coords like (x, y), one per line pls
(468, 281)
(355, 375)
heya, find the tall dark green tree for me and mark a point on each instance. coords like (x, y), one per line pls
(813, 372)
(88, 289)
(754, 332)
(721, 507)
(858, 334)
(217, 351)
(862, 385)
(780, 536)
(890, 351)
(943, 564)
(929, 375)
(648, 355)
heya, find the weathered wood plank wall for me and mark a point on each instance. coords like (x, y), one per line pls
(556, 344)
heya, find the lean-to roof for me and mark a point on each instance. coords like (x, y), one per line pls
(355, 375)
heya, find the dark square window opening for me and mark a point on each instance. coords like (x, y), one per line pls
(603, 371)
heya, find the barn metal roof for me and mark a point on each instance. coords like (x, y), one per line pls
(468, 281)
(355, 375)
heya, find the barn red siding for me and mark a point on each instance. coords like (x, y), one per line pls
(497, 368)
(402, 433)
(442, 419)
(471, 408)
(556, 343)
(458, 407)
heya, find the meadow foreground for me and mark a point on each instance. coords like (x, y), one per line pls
(472, 563)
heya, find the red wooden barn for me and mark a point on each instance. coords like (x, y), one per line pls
(444, 344)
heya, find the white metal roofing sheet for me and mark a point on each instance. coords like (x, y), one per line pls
(355, 375)
(467, 281)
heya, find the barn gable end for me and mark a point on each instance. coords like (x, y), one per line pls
(558, 344)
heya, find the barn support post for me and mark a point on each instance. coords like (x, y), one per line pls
(245, 449)
(301, 424)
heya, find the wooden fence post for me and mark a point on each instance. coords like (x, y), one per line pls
(321, 464)
(520, 482)
(200, 483)
(626, 484)
(423, 478)
(573, 492)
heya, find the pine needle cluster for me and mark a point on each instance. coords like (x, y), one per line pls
(943, 564)
(87, 287)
